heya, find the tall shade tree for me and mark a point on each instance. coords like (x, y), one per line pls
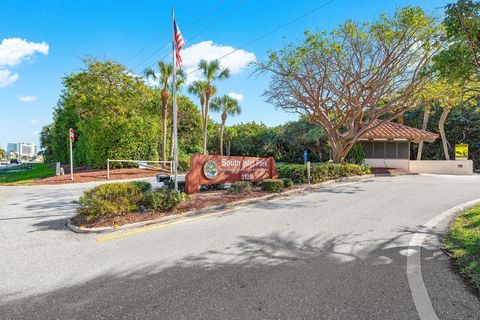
(448, 95)
(164, 78)
(461, 56)
(228, 107)
(360, 72)
(211, 72)
(3, 153)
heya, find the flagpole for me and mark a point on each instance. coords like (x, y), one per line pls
(174, 111)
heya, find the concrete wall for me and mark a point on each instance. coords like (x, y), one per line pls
(458, 167)
(388, 163)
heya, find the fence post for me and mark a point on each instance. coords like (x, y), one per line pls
(108, 169)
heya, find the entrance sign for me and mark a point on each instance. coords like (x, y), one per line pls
(461, 151)
(211, 169)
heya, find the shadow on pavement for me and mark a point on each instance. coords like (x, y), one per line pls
(279, 276)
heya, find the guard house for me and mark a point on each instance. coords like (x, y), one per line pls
(388, 145)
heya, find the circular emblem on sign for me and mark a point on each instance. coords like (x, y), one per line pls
(210, 169)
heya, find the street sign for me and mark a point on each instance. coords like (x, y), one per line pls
(461, 151)
(71, 138)
(71, 135)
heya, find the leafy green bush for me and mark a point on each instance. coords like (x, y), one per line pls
(272, 185)
(287, 182)
(110, 199)
(144, 186)
(164, 200)
(296, 172)
(321, 171)
(241, 187)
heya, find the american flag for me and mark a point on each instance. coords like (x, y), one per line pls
(178, 43)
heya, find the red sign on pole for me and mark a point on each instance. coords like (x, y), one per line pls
(210, 169)
(71, 135)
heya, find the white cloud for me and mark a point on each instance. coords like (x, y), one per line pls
(15, 50)
(27, 98)
(236, 96)
(208, 50)
(35, 133)
(34, 121)
(7, 78)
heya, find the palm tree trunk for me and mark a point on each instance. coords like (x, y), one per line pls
(221, 137)
(205, 125)
(441, 129)
(164, 134)
(426, 115)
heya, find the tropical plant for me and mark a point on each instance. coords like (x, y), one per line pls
(164, 78)
(227, 106)
(211, 72)
(3, 153)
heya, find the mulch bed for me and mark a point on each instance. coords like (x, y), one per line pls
(388, 171)
(87, 175)
(198, 201)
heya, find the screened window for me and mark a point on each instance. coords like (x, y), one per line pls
(378, 150)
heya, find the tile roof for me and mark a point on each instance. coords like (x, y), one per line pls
(390, 130)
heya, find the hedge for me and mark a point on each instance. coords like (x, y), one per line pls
(113, 199)
(272, 185)
(321, 171)
(241, 187)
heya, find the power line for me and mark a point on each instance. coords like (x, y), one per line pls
(272, 31)
(158, 37)
(213, 22)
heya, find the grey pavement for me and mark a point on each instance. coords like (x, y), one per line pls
(336, 253)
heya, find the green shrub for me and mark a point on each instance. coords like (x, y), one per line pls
(110, 199)
(144, 186)
(241, 187)
(272, 185)
(321, 171)
(164, 200)
(287, 182)
(296, 172)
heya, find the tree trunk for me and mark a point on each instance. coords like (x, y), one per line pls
(205, 125)
(401, 119)
(221, 137)
(426, 115)
(164, 134)
(441, 129)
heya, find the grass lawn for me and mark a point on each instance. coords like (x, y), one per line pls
(463, 241)
(38, 171)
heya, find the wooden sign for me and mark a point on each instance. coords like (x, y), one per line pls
(211, 169)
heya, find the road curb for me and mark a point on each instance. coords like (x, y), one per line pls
(219, 209)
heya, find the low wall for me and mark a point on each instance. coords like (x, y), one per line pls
(388, 163)
(458, 167)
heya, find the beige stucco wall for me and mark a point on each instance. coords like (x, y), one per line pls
(388, 163)
(457, 167)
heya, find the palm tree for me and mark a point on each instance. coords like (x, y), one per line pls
(164, 78)
(211, 71)
(227, 106)
(198, 88)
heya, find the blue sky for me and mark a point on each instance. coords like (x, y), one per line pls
(42, 41)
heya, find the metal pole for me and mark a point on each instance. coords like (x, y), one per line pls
(71, 159)
(174, 113)
(108, 169)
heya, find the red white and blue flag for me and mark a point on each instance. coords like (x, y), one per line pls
(178, 43)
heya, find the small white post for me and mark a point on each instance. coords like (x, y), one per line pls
(108, 169)
(308, 172)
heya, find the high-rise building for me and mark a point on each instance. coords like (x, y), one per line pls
(22, 149)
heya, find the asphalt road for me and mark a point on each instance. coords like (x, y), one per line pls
(337, 253)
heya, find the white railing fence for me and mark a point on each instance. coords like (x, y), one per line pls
(168, 164)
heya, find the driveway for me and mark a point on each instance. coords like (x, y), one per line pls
(337, 253)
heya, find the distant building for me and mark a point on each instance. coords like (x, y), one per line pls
(22, 149)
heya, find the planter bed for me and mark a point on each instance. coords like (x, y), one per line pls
(197, 201)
